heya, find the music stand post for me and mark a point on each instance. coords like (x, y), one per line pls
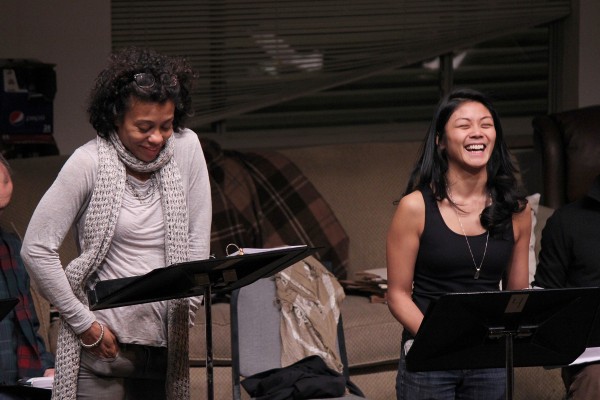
(195, 278)
(509, 336)
(210, 386)
(505, 329)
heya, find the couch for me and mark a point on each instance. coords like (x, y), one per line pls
(359, 183)
(569, 144)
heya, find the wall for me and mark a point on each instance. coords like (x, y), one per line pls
(72, 34)
(589, 55)
(580, 58)
(75, 35)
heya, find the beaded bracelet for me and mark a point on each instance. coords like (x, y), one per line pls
(97, 342)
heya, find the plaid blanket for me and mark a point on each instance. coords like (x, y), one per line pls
(262, 199)
(31, 358)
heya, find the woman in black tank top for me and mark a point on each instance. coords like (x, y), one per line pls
(462, 225)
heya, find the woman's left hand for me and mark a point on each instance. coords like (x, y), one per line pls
(107, 345)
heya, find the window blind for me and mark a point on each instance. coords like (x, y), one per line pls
(253, 54)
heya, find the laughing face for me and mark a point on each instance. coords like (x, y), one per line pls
(145, 128)
(469, 136)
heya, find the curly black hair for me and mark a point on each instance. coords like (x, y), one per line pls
(115, 86)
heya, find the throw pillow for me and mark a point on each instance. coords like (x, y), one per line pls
(534, 202)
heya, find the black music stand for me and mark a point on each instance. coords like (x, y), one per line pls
(521, 328)
(196, 278)
(6, 305)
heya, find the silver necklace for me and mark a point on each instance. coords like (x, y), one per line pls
(143, 196)
(487, 237)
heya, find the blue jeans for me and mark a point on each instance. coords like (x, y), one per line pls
(137, 373)
(464, 384)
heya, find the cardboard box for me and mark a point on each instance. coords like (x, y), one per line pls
(27, 90)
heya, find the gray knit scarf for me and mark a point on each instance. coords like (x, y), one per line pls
(98, 230)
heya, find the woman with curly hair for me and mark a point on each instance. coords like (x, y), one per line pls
(461, 226)
(138, 196)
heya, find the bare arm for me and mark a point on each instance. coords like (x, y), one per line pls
(518, 270)
(403, 241)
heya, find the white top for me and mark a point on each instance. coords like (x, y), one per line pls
(137, 246)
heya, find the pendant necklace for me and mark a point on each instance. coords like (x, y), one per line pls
(487, 237)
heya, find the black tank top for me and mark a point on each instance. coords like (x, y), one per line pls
(444, 263)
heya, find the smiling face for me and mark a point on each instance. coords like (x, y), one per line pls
(469, 137)
(145, 128)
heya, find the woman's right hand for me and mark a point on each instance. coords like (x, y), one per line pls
(108, 346)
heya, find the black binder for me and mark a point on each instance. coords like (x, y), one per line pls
(6, 305)
(189, 279)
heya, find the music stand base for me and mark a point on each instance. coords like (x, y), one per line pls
(210, 392)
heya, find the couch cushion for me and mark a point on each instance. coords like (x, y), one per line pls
(534, 201)
(371, 333)
(220, 333)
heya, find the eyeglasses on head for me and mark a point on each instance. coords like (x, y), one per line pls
(146, 80)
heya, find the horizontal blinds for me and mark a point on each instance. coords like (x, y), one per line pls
(255, 54)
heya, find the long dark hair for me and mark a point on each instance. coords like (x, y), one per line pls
(502, 184)
(115, 85)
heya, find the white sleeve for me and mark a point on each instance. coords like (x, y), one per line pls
(198, 196)
(52, 219)
(199, 204)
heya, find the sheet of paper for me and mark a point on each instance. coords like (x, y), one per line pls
(41, 382)
(589, 355)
